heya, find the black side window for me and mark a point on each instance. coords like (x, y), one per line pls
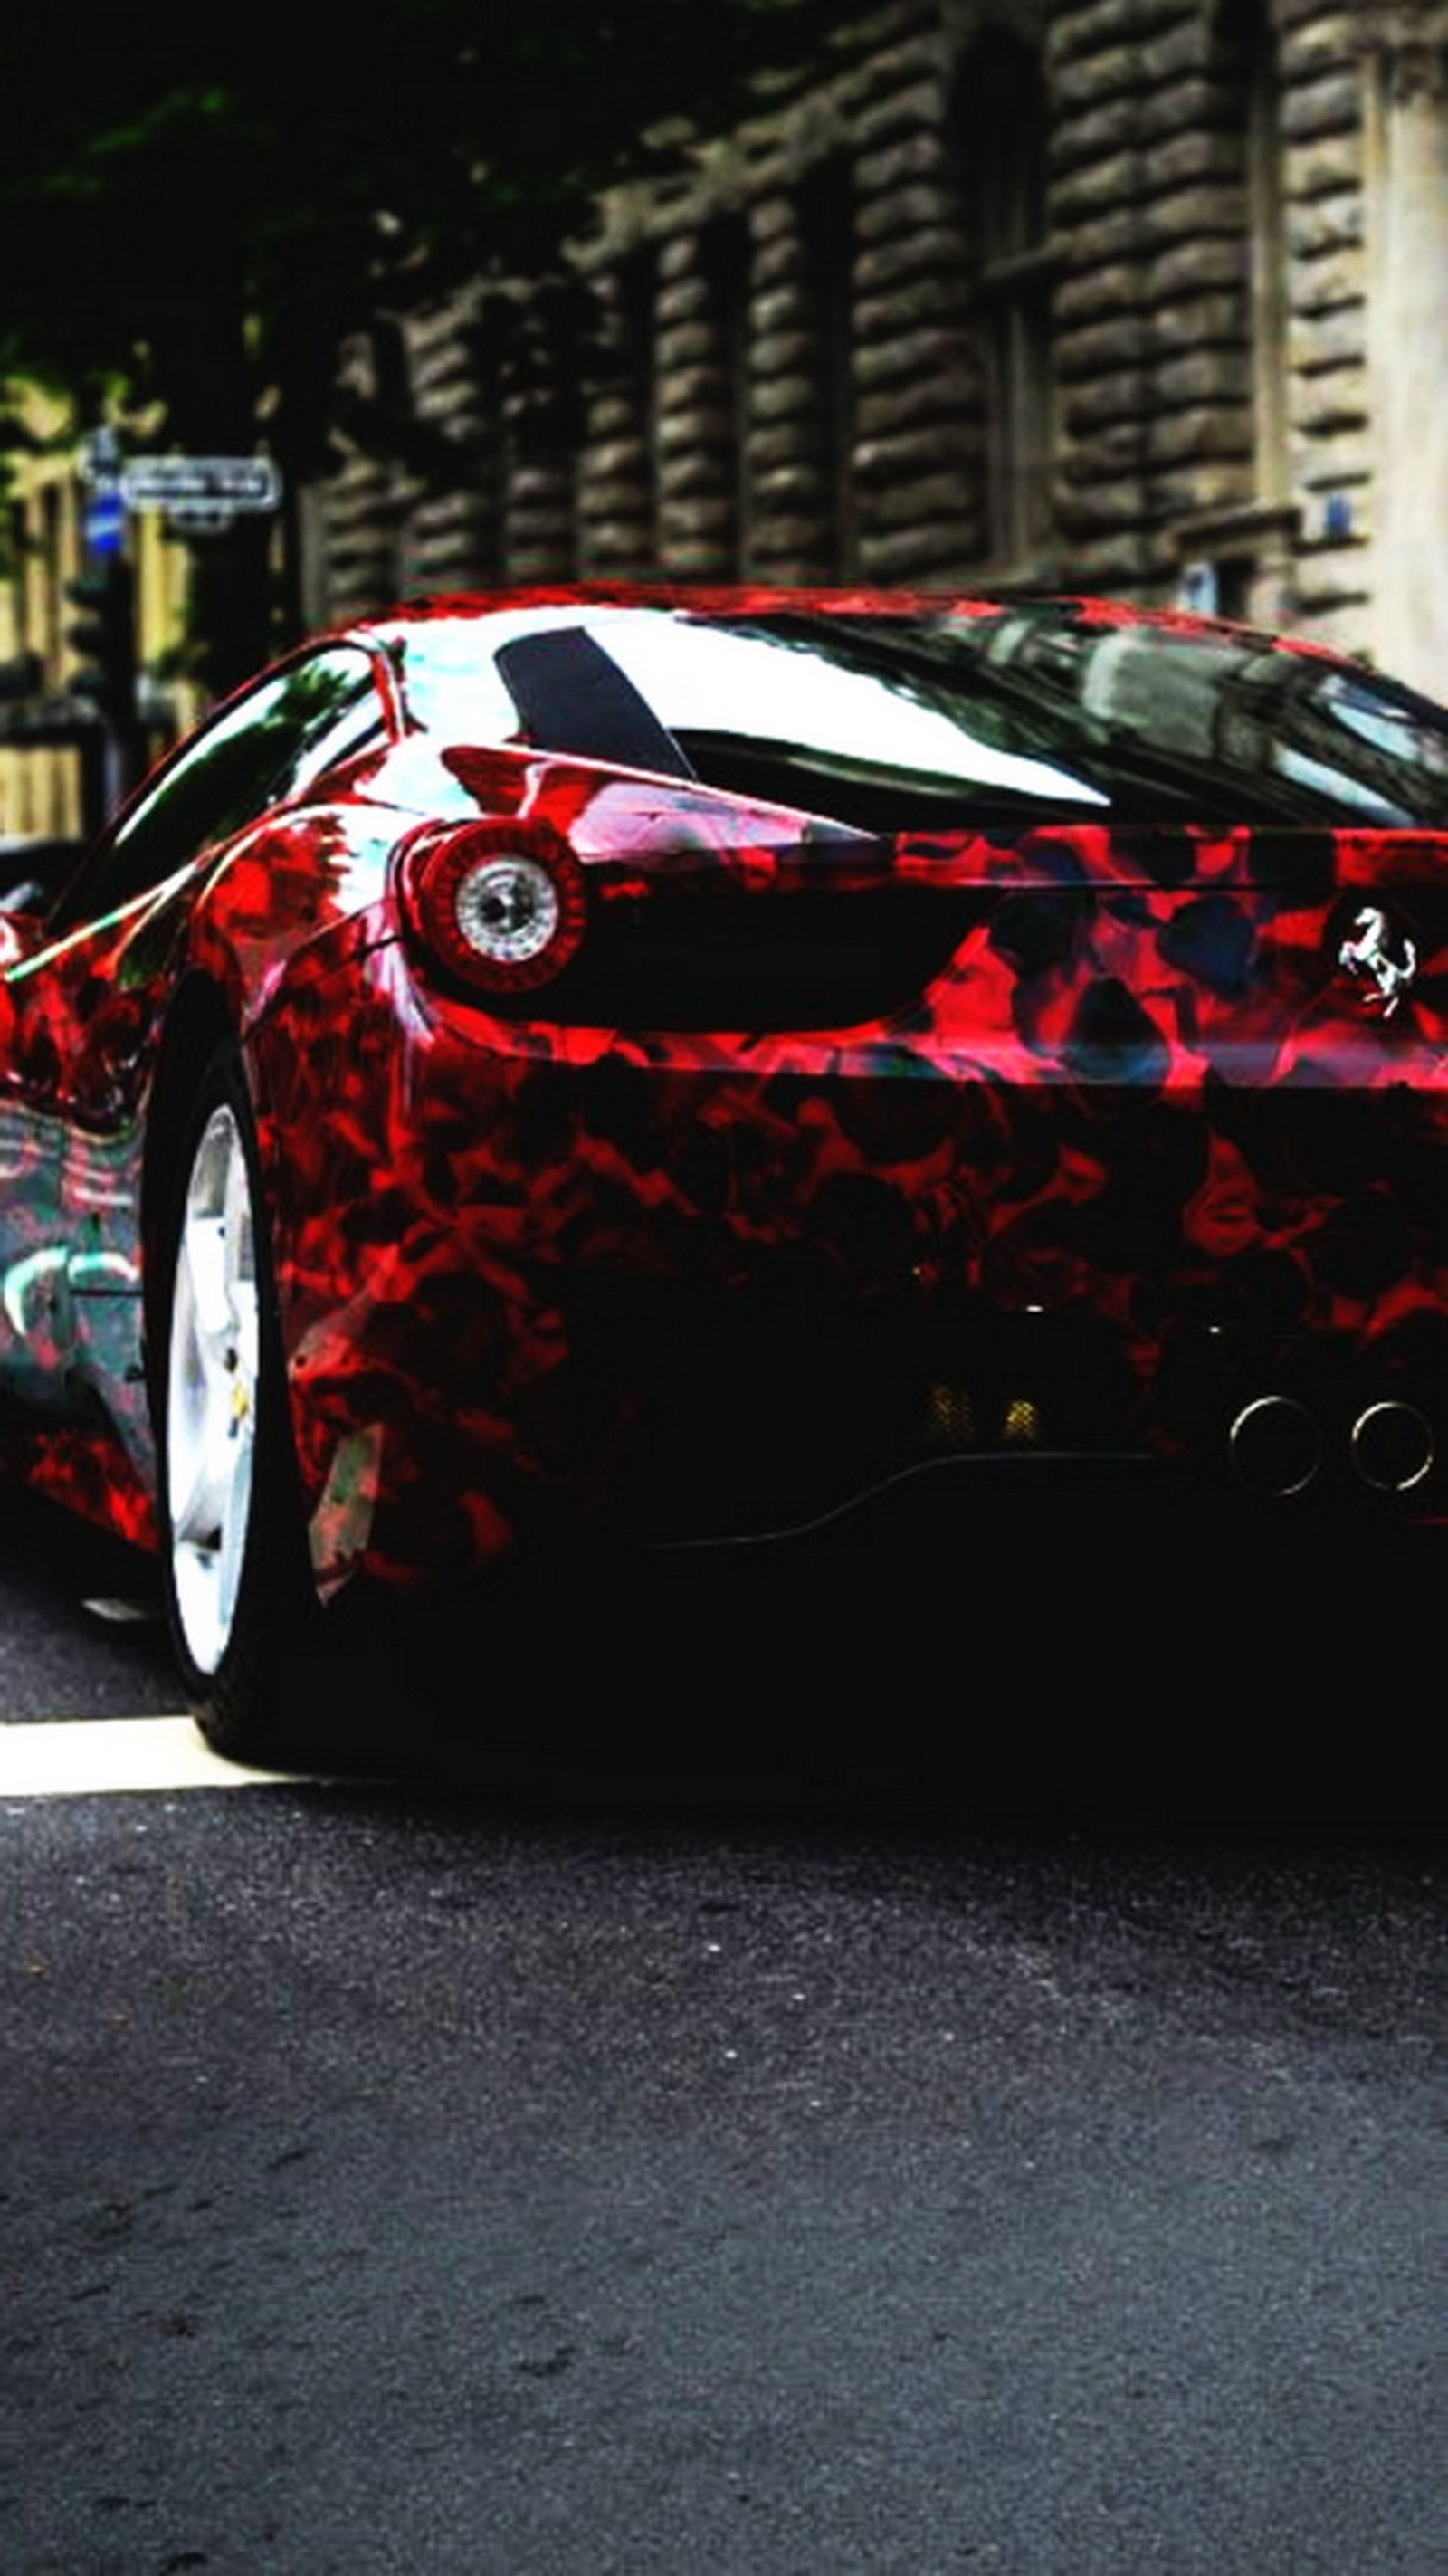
(332, 710)
(285, 732)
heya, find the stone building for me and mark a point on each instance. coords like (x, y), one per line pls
(1145, 296)
(1141, 296)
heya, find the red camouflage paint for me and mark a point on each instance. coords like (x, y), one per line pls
(1136, 1146)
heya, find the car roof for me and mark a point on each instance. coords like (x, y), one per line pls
(720, 600)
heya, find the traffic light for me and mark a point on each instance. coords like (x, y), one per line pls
(104, 635)
(23, 676)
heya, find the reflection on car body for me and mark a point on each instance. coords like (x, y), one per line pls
(661, 1066)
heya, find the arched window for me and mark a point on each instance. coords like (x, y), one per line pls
(1236, 549)
(1246, 48)
(724, 265)
(999, 134)
(827, 244)
(543, 415)
(618, 496)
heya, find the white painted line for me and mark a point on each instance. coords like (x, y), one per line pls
(76, 1758)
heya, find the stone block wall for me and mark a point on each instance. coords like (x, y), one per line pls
(813, 345)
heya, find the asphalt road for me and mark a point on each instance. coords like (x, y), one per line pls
(717, 2134)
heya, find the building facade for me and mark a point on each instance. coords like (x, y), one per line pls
(42, 782)
(1148, 297)
(1141, 296)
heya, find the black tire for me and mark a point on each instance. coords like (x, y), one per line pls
(240, 1601)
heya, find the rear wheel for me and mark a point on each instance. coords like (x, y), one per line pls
(238, 1590)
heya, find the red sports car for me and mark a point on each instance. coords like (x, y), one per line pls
(660, 1067)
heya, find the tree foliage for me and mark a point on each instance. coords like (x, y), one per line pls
(195, 213)
(197, 209)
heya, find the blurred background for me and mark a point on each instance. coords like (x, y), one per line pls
(1143, 297)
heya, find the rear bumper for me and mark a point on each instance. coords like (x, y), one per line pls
(689, 1301)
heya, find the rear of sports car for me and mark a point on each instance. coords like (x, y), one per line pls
(805, 1050)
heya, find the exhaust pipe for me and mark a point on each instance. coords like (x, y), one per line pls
(1392, 1446)
(1275, 1446)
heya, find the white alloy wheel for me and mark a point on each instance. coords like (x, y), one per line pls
(213, 1358)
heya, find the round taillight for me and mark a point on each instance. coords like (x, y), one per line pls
(502, 904)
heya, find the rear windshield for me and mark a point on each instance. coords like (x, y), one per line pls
(885, 721)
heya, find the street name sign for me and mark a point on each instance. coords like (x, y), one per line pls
(212, 483)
